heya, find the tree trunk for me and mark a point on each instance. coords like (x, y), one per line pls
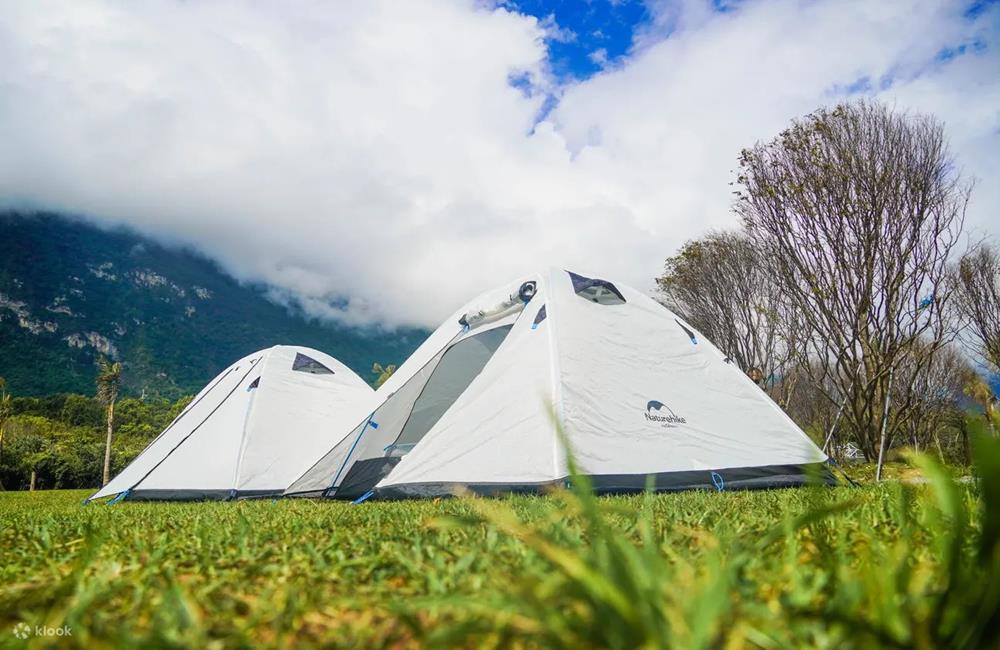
(107, 446)
(882, 441)
(966, 451)
(1, 459)
(31, 486)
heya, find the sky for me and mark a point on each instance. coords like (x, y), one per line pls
(383, 162)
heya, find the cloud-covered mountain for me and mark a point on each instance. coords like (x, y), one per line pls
(70, 292)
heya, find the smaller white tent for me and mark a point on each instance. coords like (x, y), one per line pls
(250, 432)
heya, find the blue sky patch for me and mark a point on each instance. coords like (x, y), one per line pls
(976, 8)
(585, 36)
(973, 47)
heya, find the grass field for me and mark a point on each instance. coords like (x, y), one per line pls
(889, 565)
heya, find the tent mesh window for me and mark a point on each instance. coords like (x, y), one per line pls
(303, 363)
(539, 317)
(600, 291)
(459, 365)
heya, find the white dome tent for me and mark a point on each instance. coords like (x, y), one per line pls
(250, 432)
(637, 391)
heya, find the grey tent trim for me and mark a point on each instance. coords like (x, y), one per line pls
(194, 494)
(734, 478)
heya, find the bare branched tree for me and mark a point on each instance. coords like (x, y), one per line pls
(722, 285)
(936, 390)
(861, 208)
(978, 292)
(809, 406)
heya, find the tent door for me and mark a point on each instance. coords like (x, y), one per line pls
(459, 366)
(363, 476)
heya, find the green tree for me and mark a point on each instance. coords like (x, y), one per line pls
(382, 373)
(108, 382)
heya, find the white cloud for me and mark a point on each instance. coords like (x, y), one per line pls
(599, 56)
(553, 31)
(376, 152)
(679, 112)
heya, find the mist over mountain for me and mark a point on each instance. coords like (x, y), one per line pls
(70, 292)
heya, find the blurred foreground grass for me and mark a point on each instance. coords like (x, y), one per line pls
(890, 565)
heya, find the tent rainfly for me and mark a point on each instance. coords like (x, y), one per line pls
(637, 391)
(250, 432)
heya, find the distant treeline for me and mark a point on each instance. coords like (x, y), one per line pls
(60, 438)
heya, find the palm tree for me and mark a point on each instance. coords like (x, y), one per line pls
(108, 380)
(382, 372)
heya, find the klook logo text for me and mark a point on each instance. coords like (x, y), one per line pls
(23, 630)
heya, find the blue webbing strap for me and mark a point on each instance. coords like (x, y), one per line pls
(718, 482)
(121, 495)
(364, 497)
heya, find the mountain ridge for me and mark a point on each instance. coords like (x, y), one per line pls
(71, 292)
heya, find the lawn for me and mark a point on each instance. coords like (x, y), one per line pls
(876, 566)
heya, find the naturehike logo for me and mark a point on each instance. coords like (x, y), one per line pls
(654, 414)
